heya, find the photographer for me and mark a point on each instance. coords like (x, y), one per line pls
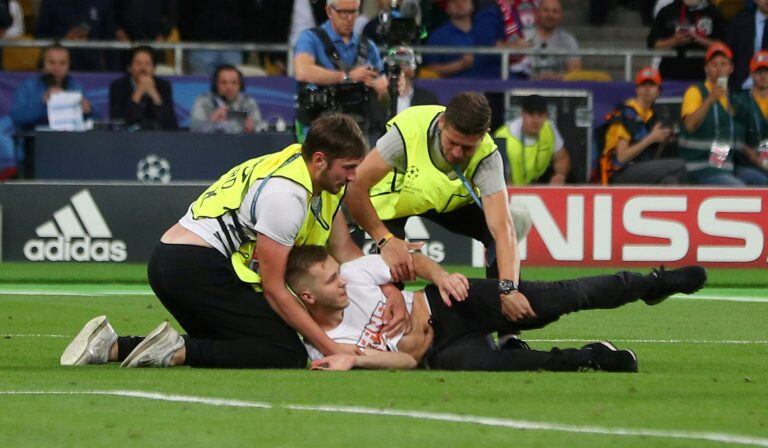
(225, 108)
(332, 55)
(29, 105)
(636, 138)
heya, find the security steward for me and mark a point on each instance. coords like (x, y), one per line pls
(533, 144)
(439, 163)
(220, 270)
(336, 70)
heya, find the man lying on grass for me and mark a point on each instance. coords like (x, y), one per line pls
(452, 318)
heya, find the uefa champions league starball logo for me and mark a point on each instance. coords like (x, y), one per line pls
(153, 169)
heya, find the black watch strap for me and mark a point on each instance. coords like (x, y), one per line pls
(507, 286)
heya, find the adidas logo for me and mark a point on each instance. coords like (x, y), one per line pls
(77, 232)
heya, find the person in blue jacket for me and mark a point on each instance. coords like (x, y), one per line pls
(29, 104)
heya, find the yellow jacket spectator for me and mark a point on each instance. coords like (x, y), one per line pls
(635, 140)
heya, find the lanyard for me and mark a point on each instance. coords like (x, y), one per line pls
(264, 184)
(469, 188)
(756, 115)
(717, 121)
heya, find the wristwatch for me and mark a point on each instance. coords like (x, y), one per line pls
(506, 286)
(346, 77)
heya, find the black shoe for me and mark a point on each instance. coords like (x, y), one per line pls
(605, 356)
(685, 280)
(515, 343)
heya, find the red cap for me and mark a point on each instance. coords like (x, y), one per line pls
(759, 60)
(718, 48)
(648, 74)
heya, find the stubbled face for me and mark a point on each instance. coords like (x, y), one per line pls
(337, 173)
(457, 148)
(550, 14)
(56, 63)
(718, 66)
(343, 15)
(647, 92)
(533, 122)
(141, 65)
(228, 84)
(327, 287)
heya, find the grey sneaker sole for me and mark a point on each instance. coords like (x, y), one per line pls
(132, 360)
(76, 353)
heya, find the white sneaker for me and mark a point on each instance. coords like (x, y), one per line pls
(92, 345)
(157, 349)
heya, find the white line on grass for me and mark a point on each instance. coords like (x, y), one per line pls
(102, 293)
(436, 416)
(653, 341)
(628, 341)
(722, 299)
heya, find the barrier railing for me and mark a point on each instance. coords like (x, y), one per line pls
(178, 48)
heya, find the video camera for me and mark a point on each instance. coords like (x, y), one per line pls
(401, 24)
(400, 28)
(348, 97)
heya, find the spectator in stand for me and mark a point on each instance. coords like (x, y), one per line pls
(308, 14)
(461, 31)
(746, 35)
(507, 23)
(80, 20)
(145, 19)
(29, 104)
(636, 138)
(710, 133)
(225, 108)
(212, 21)
(150, 20)
(751, 164)
(549, 35)
(139, 98)
(685, 25)
(533, 145)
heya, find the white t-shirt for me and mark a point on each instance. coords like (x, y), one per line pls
(278, 213)
(362, 320)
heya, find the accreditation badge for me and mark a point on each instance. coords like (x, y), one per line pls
(762, 150)
(718, 153)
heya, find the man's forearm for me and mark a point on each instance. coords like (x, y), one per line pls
(375, 359)
(361, 207)
(318, 75)
(426, 268)
(295, 315)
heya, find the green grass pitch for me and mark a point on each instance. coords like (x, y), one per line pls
(703, 379)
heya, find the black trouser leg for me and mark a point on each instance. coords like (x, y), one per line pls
(228, 323)
(125, 345)
(481, 312)
(473, 353)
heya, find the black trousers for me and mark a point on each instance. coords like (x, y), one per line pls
(228, 323)
(468, 221)
(461, 331)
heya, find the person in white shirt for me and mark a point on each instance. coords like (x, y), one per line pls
(452, 317)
